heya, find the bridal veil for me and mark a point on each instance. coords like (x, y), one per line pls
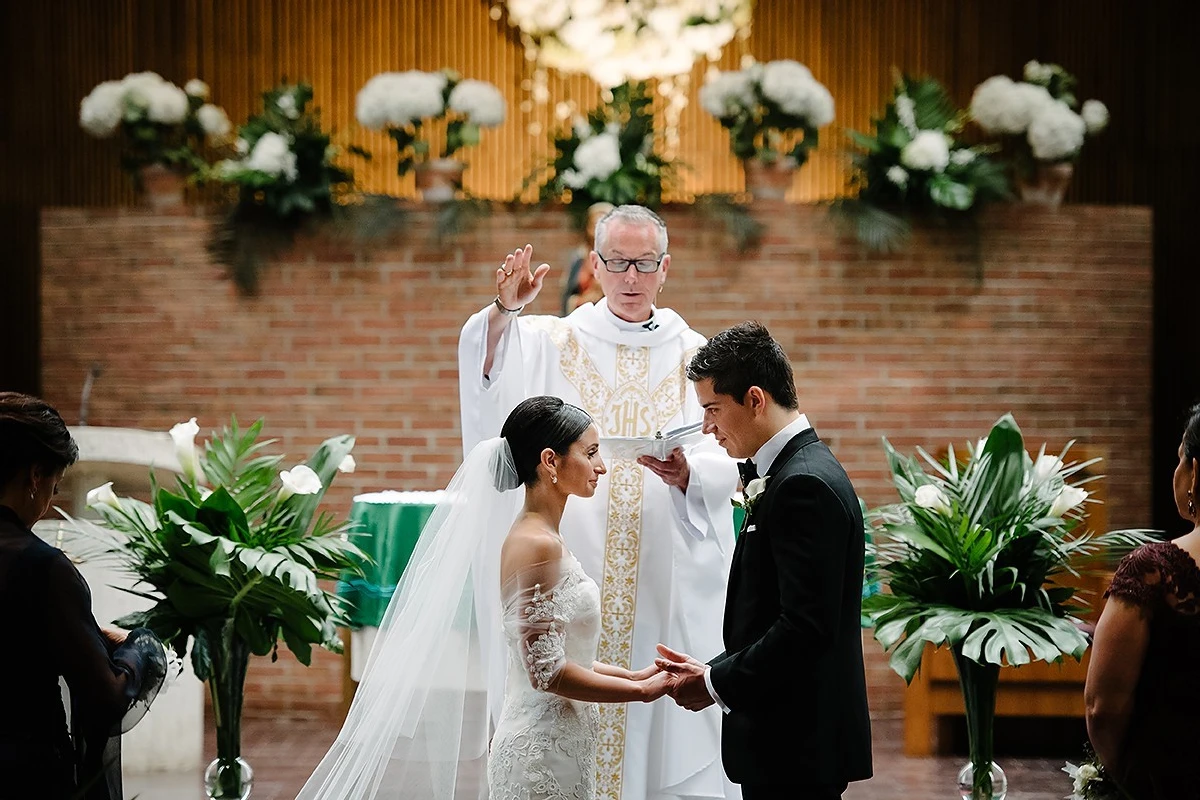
(420, 720)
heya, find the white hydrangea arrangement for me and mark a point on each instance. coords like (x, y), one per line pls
(159, 122)
(609, 156)
(619, 42)
(772, 111)
(402, 102)
(1037, 115)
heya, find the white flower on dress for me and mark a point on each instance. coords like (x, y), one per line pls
(196, 88)
(480, 101)
(929, 150)
(103, 495)
(300, 479)
(272, 155)
(184, 436)
(933, 498)
(101, 112)
(1095, 115)
(213, 120)
(1056, 133)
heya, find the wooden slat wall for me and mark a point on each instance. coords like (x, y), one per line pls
(241, 47)
(1136, 56)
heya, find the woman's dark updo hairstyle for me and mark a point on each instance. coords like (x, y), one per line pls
(538, 423)
(1191, 434)
(32, 433)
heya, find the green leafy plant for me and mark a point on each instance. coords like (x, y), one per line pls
(916, 162)
(286, 175)
(972, 558)
(232, 561)
(609, 156)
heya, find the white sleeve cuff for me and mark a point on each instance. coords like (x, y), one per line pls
(711, 691)
(689, 509)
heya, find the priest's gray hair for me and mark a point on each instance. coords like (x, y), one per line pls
(631, 215)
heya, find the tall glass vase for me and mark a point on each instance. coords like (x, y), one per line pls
(228, 777)
(981, 778)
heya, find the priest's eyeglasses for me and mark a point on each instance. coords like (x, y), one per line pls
(621, 265)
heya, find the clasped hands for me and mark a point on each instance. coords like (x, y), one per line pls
(678, 675)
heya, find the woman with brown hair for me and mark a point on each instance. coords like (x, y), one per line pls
(46, 613)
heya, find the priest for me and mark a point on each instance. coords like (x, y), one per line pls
(658, 535)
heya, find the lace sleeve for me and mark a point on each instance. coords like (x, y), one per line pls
(537, 618)
(1139, 578)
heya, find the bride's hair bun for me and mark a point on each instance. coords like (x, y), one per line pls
(535, 424)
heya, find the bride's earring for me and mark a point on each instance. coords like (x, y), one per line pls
(1191, 504)
(554, 479)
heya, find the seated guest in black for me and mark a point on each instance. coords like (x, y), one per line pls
(46, 616)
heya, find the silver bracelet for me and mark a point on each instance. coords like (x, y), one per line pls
(508, 312)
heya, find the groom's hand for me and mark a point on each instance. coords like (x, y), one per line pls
(674, 470)
(687, 686)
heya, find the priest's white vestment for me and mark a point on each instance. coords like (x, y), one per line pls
(660, 555)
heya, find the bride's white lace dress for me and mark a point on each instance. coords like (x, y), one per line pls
(544, 746)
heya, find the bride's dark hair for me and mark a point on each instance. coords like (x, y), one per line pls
(537, 423)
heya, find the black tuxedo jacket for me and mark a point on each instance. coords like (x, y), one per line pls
(792, 671)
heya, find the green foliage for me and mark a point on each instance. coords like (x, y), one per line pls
(236, 556)
(311, 183)
(974, 554)
(642, 174)
(892, 179)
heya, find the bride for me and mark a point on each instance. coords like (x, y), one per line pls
(482, 681)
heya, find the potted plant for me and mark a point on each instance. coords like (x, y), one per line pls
(231, 560)
(1037, 122)
(608, 156)
(772, 112)
(163, 130)
(916, 162)
(971, 558)
(285, 172)
(402, 103)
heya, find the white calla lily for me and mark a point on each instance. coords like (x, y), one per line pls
(348, 464)
(103, 495)
(300, 479)
(932, 498)
(1068, 498)
(184, 436)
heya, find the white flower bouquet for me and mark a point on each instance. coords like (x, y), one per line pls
(772, 111)
(402, 102)
(609, 156)
(159, 122)
(616, 42)
(1037, 115)
(917, 161)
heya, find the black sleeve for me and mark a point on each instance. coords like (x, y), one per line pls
(101, 687)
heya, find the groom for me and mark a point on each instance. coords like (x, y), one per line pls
(791, 680)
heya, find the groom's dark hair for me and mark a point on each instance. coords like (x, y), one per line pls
(537, 423)
(743, 356)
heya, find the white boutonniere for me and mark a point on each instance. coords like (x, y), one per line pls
(751, 493)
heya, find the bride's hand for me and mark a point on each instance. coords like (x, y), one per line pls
(656, 686)
(644, 673)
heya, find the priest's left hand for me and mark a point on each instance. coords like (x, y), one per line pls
(674, 471)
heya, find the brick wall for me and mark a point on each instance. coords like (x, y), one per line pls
(1046, 315)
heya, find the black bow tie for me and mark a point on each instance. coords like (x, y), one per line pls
(747, 471)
